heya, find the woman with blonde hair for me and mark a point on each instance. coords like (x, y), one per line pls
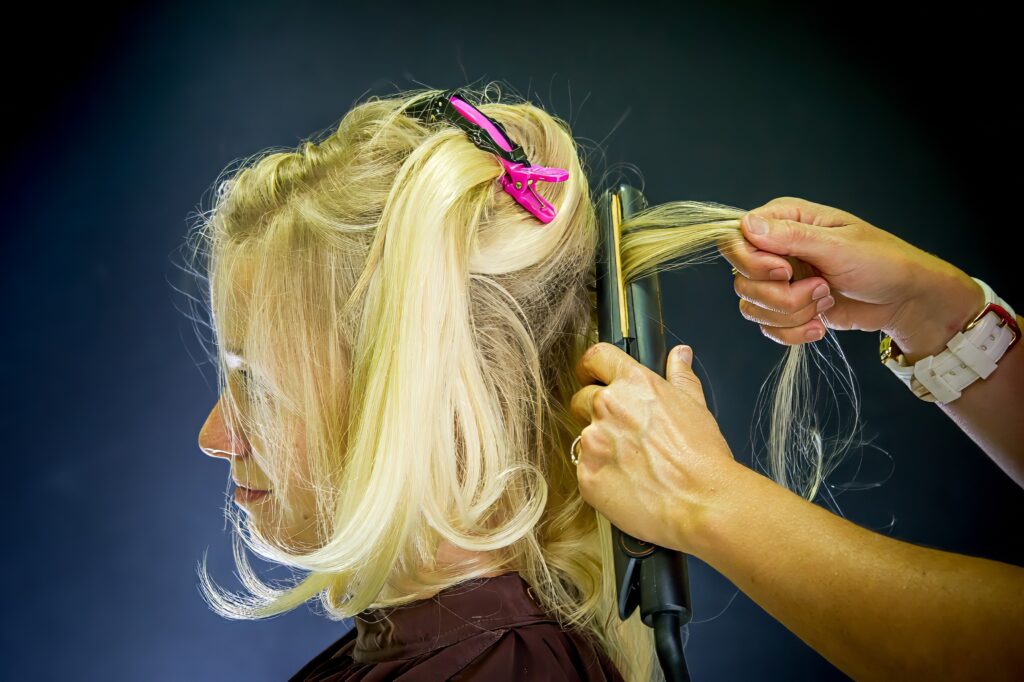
(399, 308)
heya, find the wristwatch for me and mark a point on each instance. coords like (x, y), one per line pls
(970, 355)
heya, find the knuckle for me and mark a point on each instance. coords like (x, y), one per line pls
(597, 349)
(636, 372)
(807, 313)
(586, 365)
(576, 407)
(745, 310)
(739, 285)
(602, 401)
(590, 440)
(791, 303)
(755, 313)
(770, 333)
(799, 202)
(652, 382)
(784, 200)
(753, 294)
(857, 231)
(794, 235)
(692, 379)
(780, 336)
(791, 337)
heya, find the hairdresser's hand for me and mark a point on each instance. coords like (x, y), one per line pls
(651, 456)
(854, 276)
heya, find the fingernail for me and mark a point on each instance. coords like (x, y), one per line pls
(684, 353)
(826, 303)
(814, 334)
(779, 273)
(756, 224)
(820, 291)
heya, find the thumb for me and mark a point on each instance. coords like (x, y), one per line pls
(680, 374)
(812, 243)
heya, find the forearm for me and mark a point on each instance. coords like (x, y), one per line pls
(988, 410)
(873, 606)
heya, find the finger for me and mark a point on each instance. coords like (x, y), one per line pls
(849, 314)
(582, 403)
(794, 336)
(791, 238)
(786, 298)
(804, 211)
(754, 263)
(770, 318)
(604, 362)
(679, 372)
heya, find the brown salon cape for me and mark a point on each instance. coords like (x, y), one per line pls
(486, 629)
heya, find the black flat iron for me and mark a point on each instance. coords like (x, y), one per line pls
(629, 316)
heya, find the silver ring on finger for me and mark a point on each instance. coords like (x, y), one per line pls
(573, 453)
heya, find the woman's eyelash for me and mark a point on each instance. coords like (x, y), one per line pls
(245, 377)
(250, 384)
(241, 376)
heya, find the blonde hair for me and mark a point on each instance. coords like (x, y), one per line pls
(417, 330)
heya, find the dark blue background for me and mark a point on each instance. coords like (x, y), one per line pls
(120, 119)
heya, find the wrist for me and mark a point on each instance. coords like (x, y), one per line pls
(947, 299)
(707, 532)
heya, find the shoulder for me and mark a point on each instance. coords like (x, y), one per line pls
(540, 652)
(327, 661)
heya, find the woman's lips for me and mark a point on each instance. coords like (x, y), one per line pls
(247, 495)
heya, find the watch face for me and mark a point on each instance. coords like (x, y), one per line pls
(885, 349)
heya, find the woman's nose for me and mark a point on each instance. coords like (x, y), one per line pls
(214, 439)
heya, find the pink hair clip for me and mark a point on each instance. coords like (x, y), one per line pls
(520, 178)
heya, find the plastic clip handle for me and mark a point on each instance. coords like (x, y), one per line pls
(520, 181)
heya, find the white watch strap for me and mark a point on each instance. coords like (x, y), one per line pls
(969, 356)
